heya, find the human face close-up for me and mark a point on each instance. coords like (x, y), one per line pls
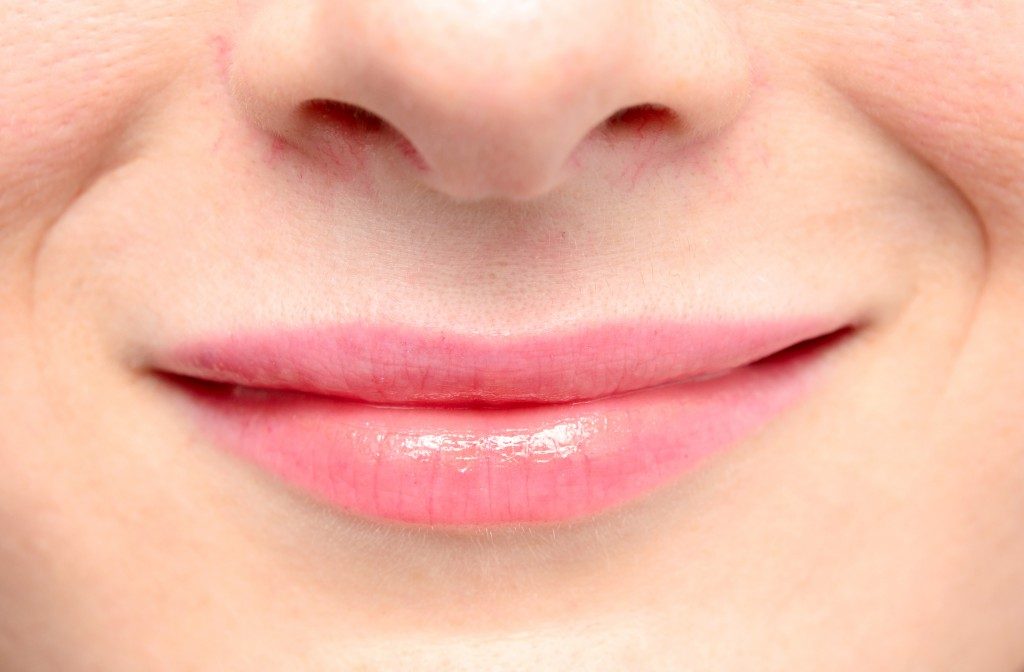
(497, 335)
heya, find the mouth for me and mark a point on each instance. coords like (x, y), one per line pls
(403, 425)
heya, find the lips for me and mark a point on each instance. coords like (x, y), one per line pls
(457, 429)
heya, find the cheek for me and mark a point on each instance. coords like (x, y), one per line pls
(947, 79)
(76, 75)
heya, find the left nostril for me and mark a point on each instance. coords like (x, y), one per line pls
(343, 116)
(640, 118)
(357, 124)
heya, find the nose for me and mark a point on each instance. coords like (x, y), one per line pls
(485, 98)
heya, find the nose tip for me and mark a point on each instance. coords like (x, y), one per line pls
(500, 137)
(488, 99)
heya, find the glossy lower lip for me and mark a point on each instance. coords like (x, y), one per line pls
(427, 428)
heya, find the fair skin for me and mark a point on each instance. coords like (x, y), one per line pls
(864, 156)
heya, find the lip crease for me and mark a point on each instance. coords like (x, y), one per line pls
(424, 427)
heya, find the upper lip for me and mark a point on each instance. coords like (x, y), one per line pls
(391, 365)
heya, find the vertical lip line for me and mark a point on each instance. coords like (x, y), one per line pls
(399, 365)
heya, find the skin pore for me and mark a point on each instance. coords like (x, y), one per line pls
(172, 168)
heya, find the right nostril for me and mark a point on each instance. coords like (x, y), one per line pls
(345, 116)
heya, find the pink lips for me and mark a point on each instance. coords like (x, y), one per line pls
(447, 429)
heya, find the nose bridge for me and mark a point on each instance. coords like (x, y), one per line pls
(472, 40)
(493, 94)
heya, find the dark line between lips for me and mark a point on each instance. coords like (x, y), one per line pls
(224, 389)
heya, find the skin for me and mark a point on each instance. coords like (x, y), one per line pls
(161, 177)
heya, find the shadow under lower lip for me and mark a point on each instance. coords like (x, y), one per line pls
(493, 466)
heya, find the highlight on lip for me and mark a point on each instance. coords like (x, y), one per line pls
(415, 427)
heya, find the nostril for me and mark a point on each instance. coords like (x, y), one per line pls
(641, 118)
(344, 116)
(356, 125)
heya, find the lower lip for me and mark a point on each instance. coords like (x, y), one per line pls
(494, 466)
